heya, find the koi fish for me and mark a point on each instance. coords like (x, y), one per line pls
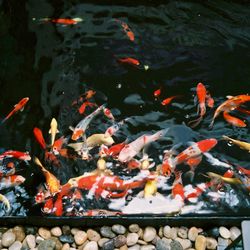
(247, 112)
(53, 130)
(11, 181)
(231, 104)
(24, 156)
(129, 60)
(150, 188)
(234, 120)
(87, 95)
(39, 137)
(157, 93)
(241, 144)
(48, 206)
(52, 182)
(81, 127)
(168, 100)
(209, 100)
(18, 107)
(63, 21)
(133, 164)
(86, 104)
(5, 202)
(57, 146)
(101, 212)
(197, 191)
(114, 128)
(128, 31)
(225, 179)
(167, 166)
(133, 148)
(108, 114)
(178, 189)
(112, 151)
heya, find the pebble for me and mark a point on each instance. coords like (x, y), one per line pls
(211, 243)
(200, 242)
(124, 247)
(66, 239)
(102, 241)
(74, 230)
(80, 237)
(135, 247)
(142, 242)
(235, 233)
(193, 233)
(31, 241)
(118, 229)
(92, 245)
(108, 245)
(167, 241)
(30, 230)
(169, 232)
(93, 235)
(66, 246)
(162, 245)
(149, 234)
(107, 232)
(183, 232)
(120, 241)
(39, 239)
(47, 245)
(222, 242)
(134, 228)
(214, 232)
(175, 245)
(185, 243)
(58, 245)
(19, 232)
(66, 230)
(44, 233)
(17, 245)
(8, 238)
(160, 232)
(224, 232)
(140, 233)
(132, 239)
(147, 247)
(56, 231)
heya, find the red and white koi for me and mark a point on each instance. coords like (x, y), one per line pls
(11, 181)
(107, 112)
(62, 21)
(23, 156)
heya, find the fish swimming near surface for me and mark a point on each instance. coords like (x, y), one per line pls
(129, 61)
(241, 144)
(18, 107)
(39, 137)
(53, 130)
(62, 21)
(234, 120)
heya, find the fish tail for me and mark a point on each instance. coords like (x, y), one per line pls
(226, 138)
(8, 116)
(211, 124)
(195, 122)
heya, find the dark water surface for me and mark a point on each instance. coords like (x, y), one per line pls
(183, 43)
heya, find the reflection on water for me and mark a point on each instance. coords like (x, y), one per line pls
(182, 43)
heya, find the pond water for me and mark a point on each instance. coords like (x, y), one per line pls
(178, 45)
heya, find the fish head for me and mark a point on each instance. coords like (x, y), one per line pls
(207, 144)
(77, 134)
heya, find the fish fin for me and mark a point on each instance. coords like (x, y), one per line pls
(195, 122)
(190, 175)
(71, 128)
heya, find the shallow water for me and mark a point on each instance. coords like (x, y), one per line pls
(182, 43)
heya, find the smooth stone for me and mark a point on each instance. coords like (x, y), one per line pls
(183, 232)
(47, 245)
(166, 240)
(200, 242)
(66, 246)
(223, 242)
(8, 238)
(17, 245)
(31, 241)
(132, 239)
(74, 230)
(123, 247)
(92, 245)
(214, 232)
(140, 233)
(134, 228)
(59, 245)
(93, 235)
(166, 231)
(66, 230)
(107, 232)
(149, 234)
(193, 233)
(135, 247)
(176, 245)
(30, 230)
(160, 232)
(118, 229)
(66, 239)
(142, 242)
(185, 243)
(120, 241)
(211, 243)
(108, 245)
(44, 233)
(102, 241)
(224, 232)
(19, 232)
(148, 247)
(235, 233)
(162, 245)
(80, 237)
(171, 234)
(56, 231)
(3, 229)
(39, 239)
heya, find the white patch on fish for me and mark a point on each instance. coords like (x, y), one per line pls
(216, 162)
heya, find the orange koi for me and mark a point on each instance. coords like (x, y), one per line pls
(244, 170)
(86, 104)
(234, 120)
(48, 206)
(133, 164)
(157, 93)
(17, 107)
(129, 60)
(57, 146)
(128, 32)
(231, 104)
(209, 100)
(168, 100)
(63, 21)
(113, 150)
(39, 137)
(247, 112)
(24, 156)
(52, 182)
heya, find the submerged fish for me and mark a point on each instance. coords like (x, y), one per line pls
(241, 144)
(63, 21)
(53, 130)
